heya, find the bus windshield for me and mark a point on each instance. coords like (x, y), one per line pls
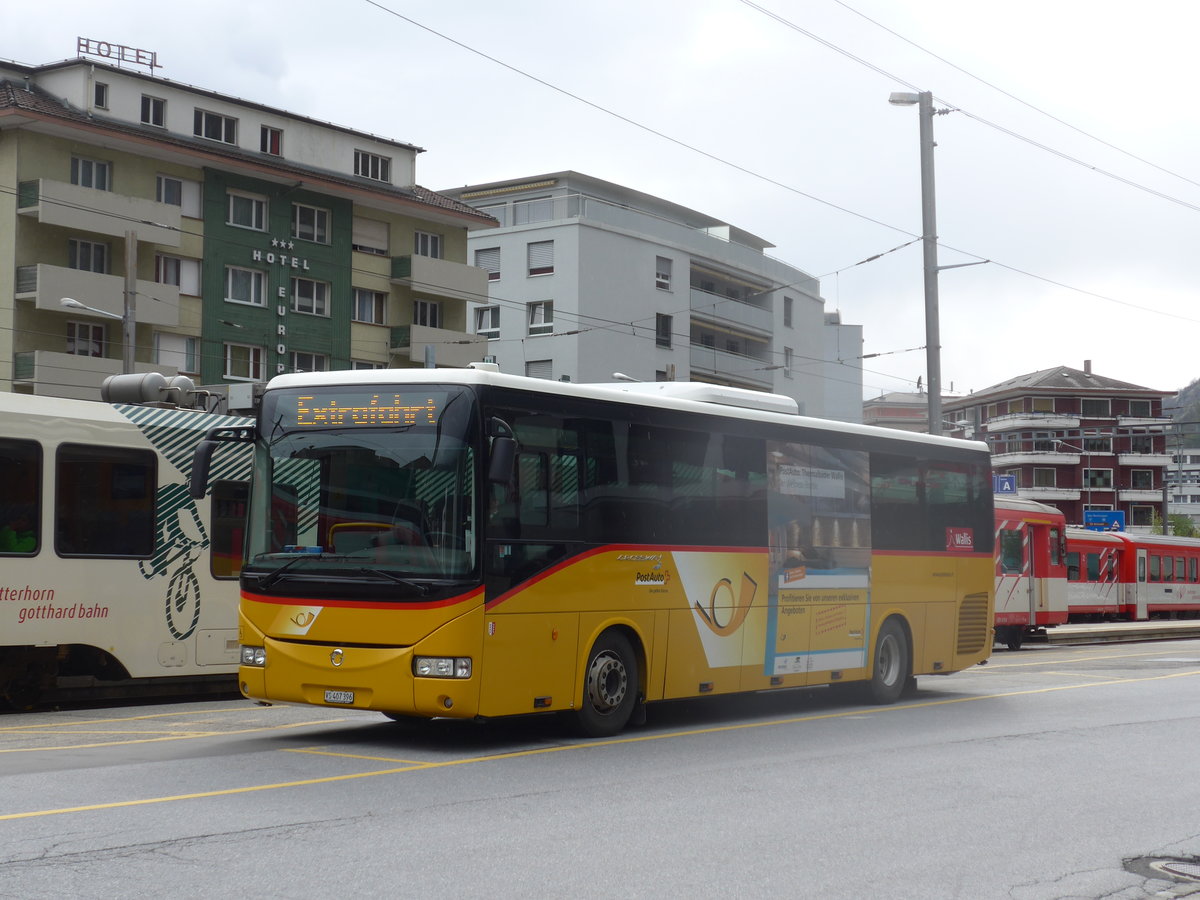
(362, 486)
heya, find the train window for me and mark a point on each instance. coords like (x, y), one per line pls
(1056, 546)
(1093, 567)
(1168, 569)
(1073, 566)
(1141, 570)
(1110, 567)
(1179, 571)
(1192, 569)
(20, 501)
(228, 527)
(1012, 553)
(1155, 568)
(105, 501)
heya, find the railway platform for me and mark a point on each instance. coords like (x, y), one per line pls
(1123, 632)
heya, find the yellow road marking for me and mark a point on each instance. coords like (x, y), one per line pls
(517, 754)
(1058, 661)
(177, 736)
(316, 752)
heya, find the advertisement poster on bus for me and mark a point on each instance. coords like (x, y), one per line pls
(819, 510)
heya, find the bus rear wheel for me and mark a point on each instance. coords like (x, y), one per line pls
(610, 691)
(890, 672)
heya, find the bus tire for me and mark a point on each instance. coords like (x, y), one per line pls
(610, 690)
(890, 671)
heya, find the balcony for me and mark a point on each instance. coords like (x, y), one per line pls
(99, 212)
(1032, 420)
(732, 313)
(440, 278)
(1048, 493)
(1158, 422)
(1035, 458)
(1144, 460)
(732, 367)
(53, 374)
(1140, 496)
(157, 304)
(451, 349)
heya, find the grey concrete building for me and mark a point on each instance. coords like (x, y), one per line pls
(588, 278)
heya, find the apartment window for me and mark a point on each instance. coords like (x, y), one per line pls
(373, 166)
(541, 257)
(662, 273)
(1093, 407)
(247, 211)
(245, 286)
(426, 244)
(100, 95)
(310, 223)
(91, 173)
(85, 339)
(89, 256)
(1043, 404)
(215, 127)
(1140, 409)
(243, 362)
(787, 311)
(369, 306)
(541, 317)
(181, 192)
(1141, 479)
(487, 322)
(309, 362)
(787, 362)
(370, 236)
(270, 140)
(362, 365)
(662, 330)
(1097, 478)
(168, 190)
(1046, 478)
(1097, 445)
(177, 350)
(167, 269)
(428, 313)
(488, 259)
(154, 111)
(1141, 443)
(309, 296)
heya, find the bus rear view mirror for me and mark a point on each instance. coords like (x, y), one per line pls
(202, 456)
(504, 454)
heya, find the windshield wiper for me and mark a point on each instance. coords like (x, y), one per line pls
(421, 589)
(271, 577)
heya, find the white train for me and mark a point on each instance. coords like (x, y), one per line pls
(110, 574)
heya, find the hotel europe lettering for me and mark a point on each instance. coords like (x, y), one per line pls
(281, 255)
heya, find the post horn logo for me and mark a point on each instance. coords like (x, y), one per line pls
(337, 656)
(740, 606)
(303, 619)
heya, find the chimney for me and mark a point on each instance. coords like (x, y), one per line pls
(1087, 367)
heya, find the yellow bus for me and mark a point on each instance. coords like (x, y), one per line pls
(461, 543)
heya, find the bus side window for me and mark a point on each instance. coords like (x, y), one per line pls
(20, 502)
(227, 527)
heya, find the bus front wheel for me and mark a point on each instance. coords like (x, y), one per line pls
(889, 675)
(610, 691)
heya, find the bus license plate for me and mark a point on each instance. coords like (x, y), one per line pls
(346, 697)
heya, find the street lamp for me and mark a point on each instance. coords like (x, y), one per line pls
(933, 360)
(127, 325)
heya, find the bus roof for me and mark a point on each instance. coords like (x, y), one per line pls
(685, 396)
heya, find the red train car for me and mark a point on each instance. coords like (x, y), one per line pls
(1031, 570)
(1123, 576)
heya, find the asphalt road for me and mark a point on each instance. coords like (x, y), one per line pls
(1054, 772)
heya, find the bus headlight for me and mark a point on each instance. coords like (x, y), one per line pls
(254, 656)
(442, 667)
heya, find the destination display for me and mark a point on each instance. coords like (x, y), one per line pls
(387, 407)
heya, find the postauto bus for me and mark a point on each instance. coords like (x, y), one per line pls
(462, 543)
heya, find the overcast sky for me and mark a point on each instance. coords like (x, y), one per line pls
(1070, 161)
